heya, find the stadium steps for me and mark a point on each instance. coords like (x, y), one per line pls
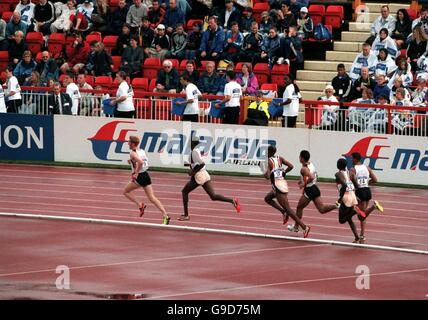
(324, 65)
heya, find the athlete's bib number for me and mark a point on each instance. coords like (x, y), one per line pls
(362, 181)
(350, 186)
(278, 174)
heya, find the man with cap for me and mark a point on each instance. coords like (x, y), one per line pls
(258, 113)
(160, 44)
(247, 19)
(305, 25)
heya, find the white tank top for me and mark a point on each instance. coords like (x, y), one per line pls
(349, 184)
(312, 170)
(362, 175)
(142, 154)
(277, 171)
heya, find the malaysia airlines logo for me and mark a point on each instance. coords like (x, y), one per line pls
(363, 146)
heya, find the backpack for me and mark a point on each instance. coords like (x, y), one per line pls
(322, 33)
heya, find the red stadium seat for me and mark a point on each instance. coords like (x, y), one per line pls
(61, 78)
(110, 42)
(93, 36)
(258, 8)
(6, 15)
(189, 25)
(114, 3)
(261, 70)
(56, 42)
(141, 84)
(152, 85)
(4, 59)
(203, 66)
(3, 77)
(4, 7)
(35, 42)
(316, 12)
(116, 63)
(182, 66)
(238, 67)
(90, 80)
(334, 16)
(39, 57)
(269, 86)
(175, 63)
(278, 72)
(104, 81)
(151, 67)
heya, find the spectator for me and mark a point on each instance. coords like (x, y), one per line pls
(178, 43)
(3, 108)
(17, 48)
(136, 14)
(248, 80)
(292, 46)
(103, 63)
(422, 20)
(305, 25)
(191, 111)
(13, 92)
(123, 40)
(193, 41)
(330, 112)
(147, 33)
(417, 46)
(82, 20)
(156, 14)
(184, 7)
(90, 63)
(383, 40)
(271, 48)
(118, 18)
(228, 15)
(32, 99)
(358, 116)
(209, 82)
(247, 20)
(295, 8)
(285, 18)
(86, 98)
(73, 91)
(173, 16)
(25, 67)
(63, 22)
(403, 28)
(265, 23)
(385, 20)
(232, 99)
(168, 79)
(381, 87)
(222, 68)
(233, 43)
(44, 15)
(422, 71)
(59, 102)
(124, 98)
(212, 42)
(191, 72)
(377, 121)
(101, 16)
(418, 95)
(342, 84)
(132, 58)
(403, 71)
(160, 44)
(385, 65)
(364, 59)
(401, 98)
(290, 102)
(364, 81)
(258, 111)
(4, 42)
(16, 24)
(47, 68)
(252, 46)
(398, 83)
(26, 9)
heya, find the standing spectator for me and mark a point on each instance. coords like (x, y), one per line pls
(191, 72)
(364, 81)
(258, 111)
(16, 24)
(147, 34)
(232, 99)
(168, 79)
(47, 68)
(305, 25)
(193, 41)
(156, 14)
(101, 16)
(364, 59)
(358, 117)
(118, 18)
(403, 28)
(178, 43)
(291, 99)
(25, 67)
(136, 14)
(271, 48)
(73, 91)
(63, 22)
(173, 16)
(417, 46)
(209, 82)
(103, 64)
(59, 102)
(292, 46)
(44, 15)
(403, 72)
(265, 23)
(247, 20)
(191, 111)
(233, 43)
(342, 84)
(228, 15)
(124, 98)
(4, 42)
(132, 58)
(160, 44)
(3, 108)
(86, 98)
(212, 42)
(381, 87)
(385, 20)
(82, 20)
(286, 18)
(248, 80)
(385, 65)
(13, 92)
(32, 99)
(252, 46)
(17, 48)
(397, 84)
(26, 9)
(383, 40)
(77, 54)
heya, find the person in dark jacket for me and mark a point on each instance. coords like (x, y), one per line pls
(132, 58)
(285, 18)
(247, 20)
(252, 46)
(191, 72)
(173, 16)
(291, 47)
(265, 23)
(103, 64)
(47, 68)
(118, 18)
(24, 68)
(156, 14)
(342, 84)
(228, 15)
(271, 47)
(193, 41)
(178, 43)
(209, 81)
(44, 15)
(381, 87)
(59, 102)
(122, 40)
(417, 46)
(147, 34)
(160, 44)
(212, 42)
(15, 24)
(16, 49)
(168, 79)
(305, 25)
(364, 81)
(403, 27)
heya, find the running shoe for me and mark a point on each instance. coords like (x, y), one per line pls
(293, 228)
(183, 218)
(357, 240)
(362, 239)
(360, 212)
(166, 220)
(337, 204)
(306, 231)
(378, 206)
(285, 219)
(237, 205)
(142, 208)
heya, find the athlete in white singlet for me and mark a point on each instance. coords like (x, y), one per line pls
(141, 178)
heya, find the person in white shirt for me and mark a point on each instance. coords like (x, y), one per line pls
(330, 112)
(13, 92)
(232, 99)
(2, 103)
(291, 99)
(63, 21)
(124, 98)
(385, 20)
(191, 112)
(73, 91)
(383, 40)
(364, 59)
(26, 9)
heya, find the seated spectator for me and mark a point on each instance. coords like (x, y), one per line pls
(422, 20)
(160, 44)
(378, 119)
(258, 111)
(248, 80)
(265, 23)
(292, 50)
(209, 81)
(191, 72)
(17, 47)
(403, 28)
(25, 67)
(403, 71)
(364, 59)
(178, 43)
(12, 94)
(295, 8)
(77, 55)
(383, 40)
(358, 117)
(418, 95)
(271, 48)
(132, 58)
(401, 98)
(342, 84)
(193, 41)
(247, 20)
(417, 46)
(86, 98)
(4, 42)
(385, 64)
(136, 14)
(364, 81)
(118, 18)
(26, 9)
(402, 120)
(103, 64)
(252, 46)
(16, 24)
(59, 102)
(89, 66)
(47, 68)
(101, 16)
(123, 40)
(184, 7)
(82, 20)
(385, 20)
(212, 42)
(422, 71)
(381, 87)
(168, 79)
(285, 18)
(147, 34)
(233, 43)
(397, 84)
(305, 25)
(330, 113)
(228, 15)
(173, 16)
(44, 15)
(156, 14)
(63, 22)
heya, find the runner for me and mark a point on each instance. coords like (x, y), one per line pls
(141, 178)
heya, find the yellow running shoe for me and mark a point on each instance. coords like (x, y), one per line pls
(166, 220)
(378, 206)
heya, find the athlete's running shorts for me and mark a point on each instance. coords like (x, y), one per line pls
(143, 179)
(345, 213)
(280, 186)
(312, 192)
(363, 194)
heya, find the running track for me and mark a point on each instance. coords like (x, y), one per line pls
(171, 264)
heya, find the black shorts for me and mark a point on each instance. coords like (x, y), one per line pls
(143, 179)
(312, 192)
(345, 213)
(363, 194)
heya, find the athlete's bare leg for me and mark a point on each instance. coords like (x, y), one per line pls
(152, 198)
(363, 206)
(189, 187)
(322, 208)
(127, 192)
(283, 201)
(209, 188)
(269, 199)
(302, 204)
